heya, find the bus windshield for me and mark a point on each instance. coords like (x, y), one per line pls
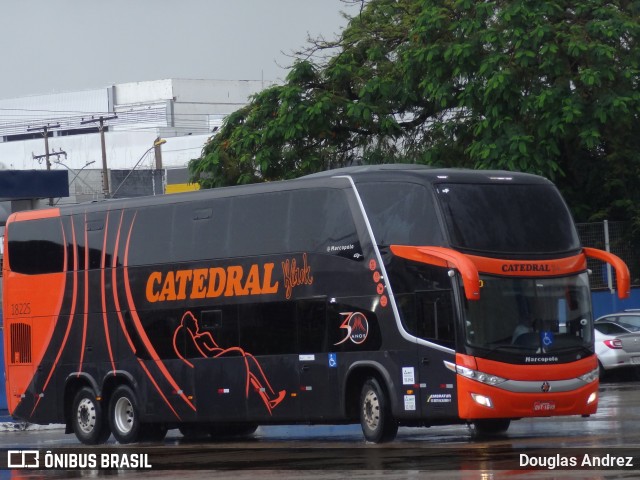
(506, 218)
(530, 315)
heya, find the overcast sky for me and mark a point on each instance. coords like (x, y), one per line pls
(66, 45)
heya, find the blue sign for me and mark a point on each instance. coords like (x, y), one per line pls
(333, 360)
(546, 338)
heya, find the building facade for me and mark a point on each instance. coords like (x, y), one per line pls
(133, 116)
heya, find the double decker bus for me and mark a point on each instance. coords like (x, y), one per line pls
(391, 296)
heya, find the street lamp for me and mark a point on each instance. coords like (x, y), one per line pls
(156, 143)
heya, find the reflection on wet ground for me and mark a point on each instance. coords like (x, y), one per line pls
(328, 452)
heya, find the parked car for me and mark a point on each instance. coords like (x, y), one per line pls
(627, 319)
(617, 340)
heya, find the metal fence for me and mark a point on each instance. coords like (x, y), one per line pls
(617, 238)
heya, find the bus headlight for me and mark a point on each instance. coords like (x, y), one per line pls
(592, 376)
(482, 400)
(476, 375)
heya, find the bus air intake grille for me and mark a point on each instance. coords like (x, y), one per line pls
(20, 343)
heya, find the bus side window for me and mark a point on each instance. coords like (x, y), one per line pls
(407, 305)
(94, 226)
(312, 326)
(401, 213)
(429, 315)
(321, 221)
(263, 225)
(201, 336)
(222, 323)
(211, 319)
(267, 328)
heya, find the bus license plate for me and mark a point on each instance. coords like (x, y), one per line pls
(544, 406)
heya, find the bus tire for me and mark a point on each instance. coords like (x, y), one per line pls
(226, 431)
(124, 415)
(194, 431)
(491, 427)
(152, 432)
(378, 424)
(87, 418)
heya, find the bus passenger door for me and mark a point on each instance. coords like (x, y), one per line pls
(436, 324)
(318, 369)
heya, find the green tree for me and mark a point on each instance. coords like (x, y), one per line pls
(545, 87)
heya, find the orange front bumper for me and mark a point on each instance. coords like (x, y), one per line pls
(508, 404)
(530, 391)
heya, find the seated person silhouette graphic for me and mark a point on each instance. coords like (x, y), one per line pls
(203, 344)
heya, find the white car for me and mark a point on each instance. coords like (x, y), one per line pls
(617, 345)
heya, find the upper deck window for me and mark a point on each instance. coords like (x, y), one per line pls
(306, 220)
(401, 213)
(507, 218)
(36, 246)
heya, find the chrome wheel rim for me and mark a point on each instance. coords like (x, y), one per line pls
(123, 415)
(371, 410)
(86, 415)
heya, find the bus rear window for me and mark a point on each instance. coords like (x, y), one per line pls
(36, 246)
(510, 219)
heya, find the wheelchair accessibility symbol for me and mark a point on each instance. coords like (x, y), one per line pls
(546, 338)
(333, 360)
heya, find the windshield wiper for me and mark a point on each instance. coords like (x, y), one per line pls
(511, 346)
(567, 348)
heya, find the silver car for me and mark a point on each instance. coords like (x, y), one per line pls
(617, 340)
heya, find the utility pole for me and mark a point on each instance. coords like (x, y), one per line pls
(45, 134)
(105, 174)
(48, 155)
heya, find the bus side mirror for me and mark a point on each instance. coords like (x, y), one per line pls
(623, 277)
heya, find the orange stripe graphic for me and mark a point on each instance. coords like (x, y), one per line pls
(166, 400)
(140, 328)
(103, 293)
(71, 315)
(116, 300)
(114, 286)
(86, 293)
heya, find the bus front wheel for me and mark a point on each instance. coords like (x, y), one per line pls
(88, 420)
(226, 431)
(491, 427)
(124, 416)
(153, 432)
(378, 424)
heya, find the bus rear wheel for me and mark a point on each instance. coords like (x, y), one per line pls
(124, 415)
(87, 418)
(378, 424)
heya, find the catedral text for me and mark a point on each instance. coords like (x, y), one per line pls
(211, 282)
(526, 267)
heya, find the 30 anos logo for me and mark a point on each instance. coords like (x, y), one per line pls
(23, 459)
(357, 327)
